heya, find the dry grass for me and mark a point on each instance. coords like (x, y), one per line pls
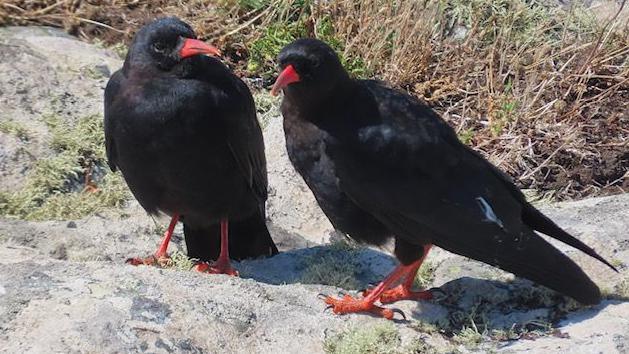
(231, 24)
(542, 91)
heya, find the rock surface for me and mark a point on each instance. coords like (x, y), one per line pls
(64, 286)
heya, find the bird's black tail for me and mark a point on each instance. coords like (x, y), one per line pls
(248, 238)
(546, 265)
(540, 222)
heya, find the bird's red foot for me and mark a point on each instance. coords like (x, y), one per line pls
(160, 258)
(91, 189)
(401, 292)
(349, 304)
(218, 267)
(90, 185)
(161, 261)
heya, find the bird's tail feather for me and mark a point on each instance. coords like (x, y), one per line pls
(546, 265)
(248, 238)
(540, 222)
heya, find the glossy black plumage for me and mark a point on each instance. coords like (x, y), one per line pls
(184, 134)
(383, 164)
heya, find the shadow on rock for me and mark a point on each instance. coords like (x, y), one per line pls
(501, 310)
(336, 265)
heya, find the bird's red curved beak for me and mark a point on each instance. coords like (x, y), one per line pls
(195, 47)
(287, 77)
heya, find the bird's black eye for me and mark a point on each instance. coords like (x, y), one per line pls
(159, 47)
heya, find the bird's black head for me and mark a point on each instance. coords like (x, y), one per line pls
(309, 67)
(164, 43)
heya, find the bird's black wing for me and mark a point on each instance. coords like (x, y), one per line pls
(113, 86)
(232, 98)
(246, 142)
(411, 173)
(536, 220)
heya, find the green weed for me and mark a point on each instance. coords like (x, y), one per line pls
(425, 275)
(378, 339)
(50, 189)
(336, 265)
(466, 136)
(180, 261)
(14, 128)
(265, 49)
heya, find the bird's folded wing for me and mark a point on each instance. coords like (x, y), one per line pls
(247, 146)
(458, 203)
(111, 91)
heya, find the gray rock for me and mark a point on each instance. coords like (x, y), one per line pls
(91, 302)
(44, 71)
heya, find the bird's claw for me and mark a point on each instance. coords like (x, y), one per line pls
(348, 304)
(150, 261)
(216, 268)
(437, 290)
(368, 288)
(437, 293)
(400, 312)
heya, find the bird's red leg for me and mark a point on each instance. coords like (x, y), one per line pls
(160, 255)
(349, 304)
(161, 251)
(222, 264)
(90, 186)
(403, 291)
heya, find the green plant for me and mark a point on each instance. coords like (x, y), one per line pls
(112, 193)
(324, 30)
(50, 188)
(425, 275)
(180, 261)
(120, 49)
(466, 136)
(267, 107)
(265, 49)
(249, 5)
(469, 337)
(14, 128)
(502, 116)
(378, 339)
(335, 265)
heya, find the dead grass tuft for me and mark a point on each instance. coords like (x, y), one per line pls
(542, 92)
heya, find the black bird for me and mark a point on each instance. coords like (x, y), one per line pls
(382, 164)
(183, 131)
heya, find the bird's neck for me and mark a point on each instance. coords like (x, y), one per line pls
(144, 69)
(348, 107)
(314, 105)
